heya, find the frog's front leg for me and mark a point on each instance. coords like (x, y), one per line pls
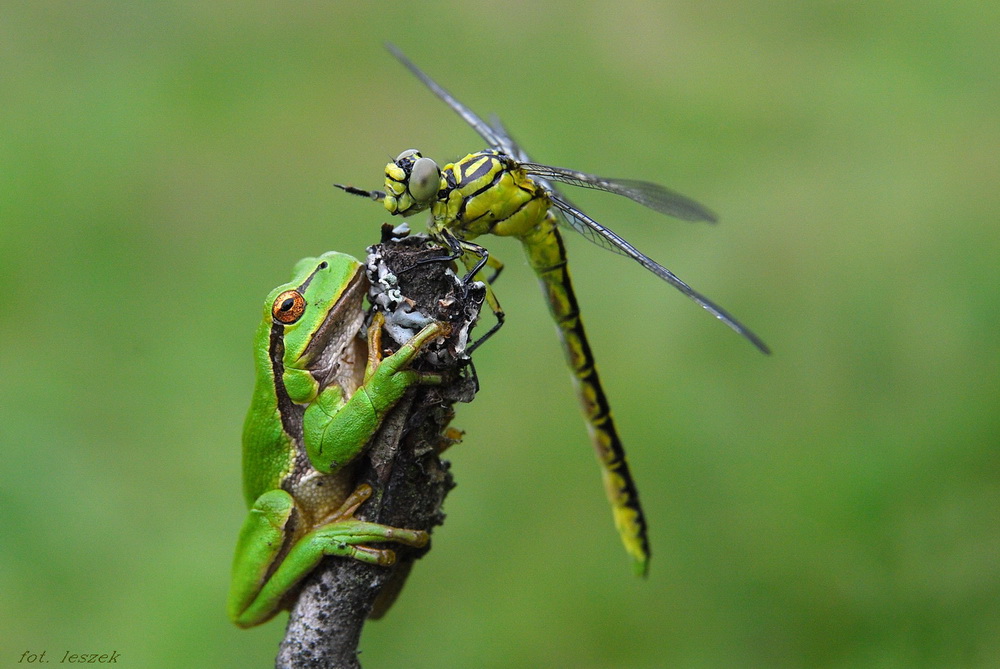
(335, 432)
(256, 593)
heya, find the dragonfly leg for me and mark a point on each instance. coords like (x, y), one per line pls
(423, 261)
(496, 266)
(475, 258)
(491, 299)
(458, 250)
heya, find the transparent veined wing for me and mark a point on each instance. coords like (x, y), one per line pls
(481, 126)
(651, 195)
(510, 146)
(506, 143)
(654, 196)
(608, 239)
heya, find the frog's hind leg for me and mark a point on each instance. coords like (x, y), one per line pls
(343, 536)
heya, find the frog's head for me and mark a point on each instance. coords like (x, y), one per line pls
(411, 183)
(312, 320)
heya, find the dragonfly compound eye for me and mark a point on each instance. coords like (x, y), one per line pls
(407, 154)
(425, 179)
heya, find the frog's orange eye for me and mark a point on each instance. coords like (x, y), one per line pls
(288, 307)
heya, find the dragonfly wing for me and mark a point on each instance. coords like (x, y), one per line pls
(470, 117)
(606, 238)
(651, 195)
(506, 143)
(510, 146)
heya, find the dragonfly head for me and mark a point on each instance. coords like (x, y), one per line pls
(411, 183)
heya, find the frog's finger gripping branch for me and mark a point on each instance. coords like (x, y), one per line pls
(395, 364)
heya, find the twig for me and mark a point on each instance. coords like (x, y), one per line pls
(402, 464)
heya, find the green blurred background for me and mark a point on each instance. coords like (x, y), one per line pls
(835, 505)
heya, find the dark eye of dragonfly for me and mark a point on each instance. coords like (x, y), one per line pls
(288, 307)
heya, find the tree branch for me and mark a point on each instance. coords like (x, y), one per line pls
(402, 465)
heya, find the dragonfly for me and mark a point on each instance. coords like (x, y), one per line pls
(500, 191)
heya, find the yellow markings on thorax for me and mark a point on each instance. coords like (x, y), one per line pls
(489, 195)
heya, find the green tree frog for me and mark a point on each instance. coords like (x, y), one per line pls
(320, 396)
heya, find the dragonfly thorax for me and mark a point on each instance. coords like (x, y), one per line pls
(487, 192)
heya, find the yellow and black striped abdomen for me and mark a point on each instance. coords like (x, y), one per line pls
(487, 193)
(547, 256)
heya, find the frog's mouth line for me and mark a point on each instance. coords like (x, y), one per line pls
(338, 329)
